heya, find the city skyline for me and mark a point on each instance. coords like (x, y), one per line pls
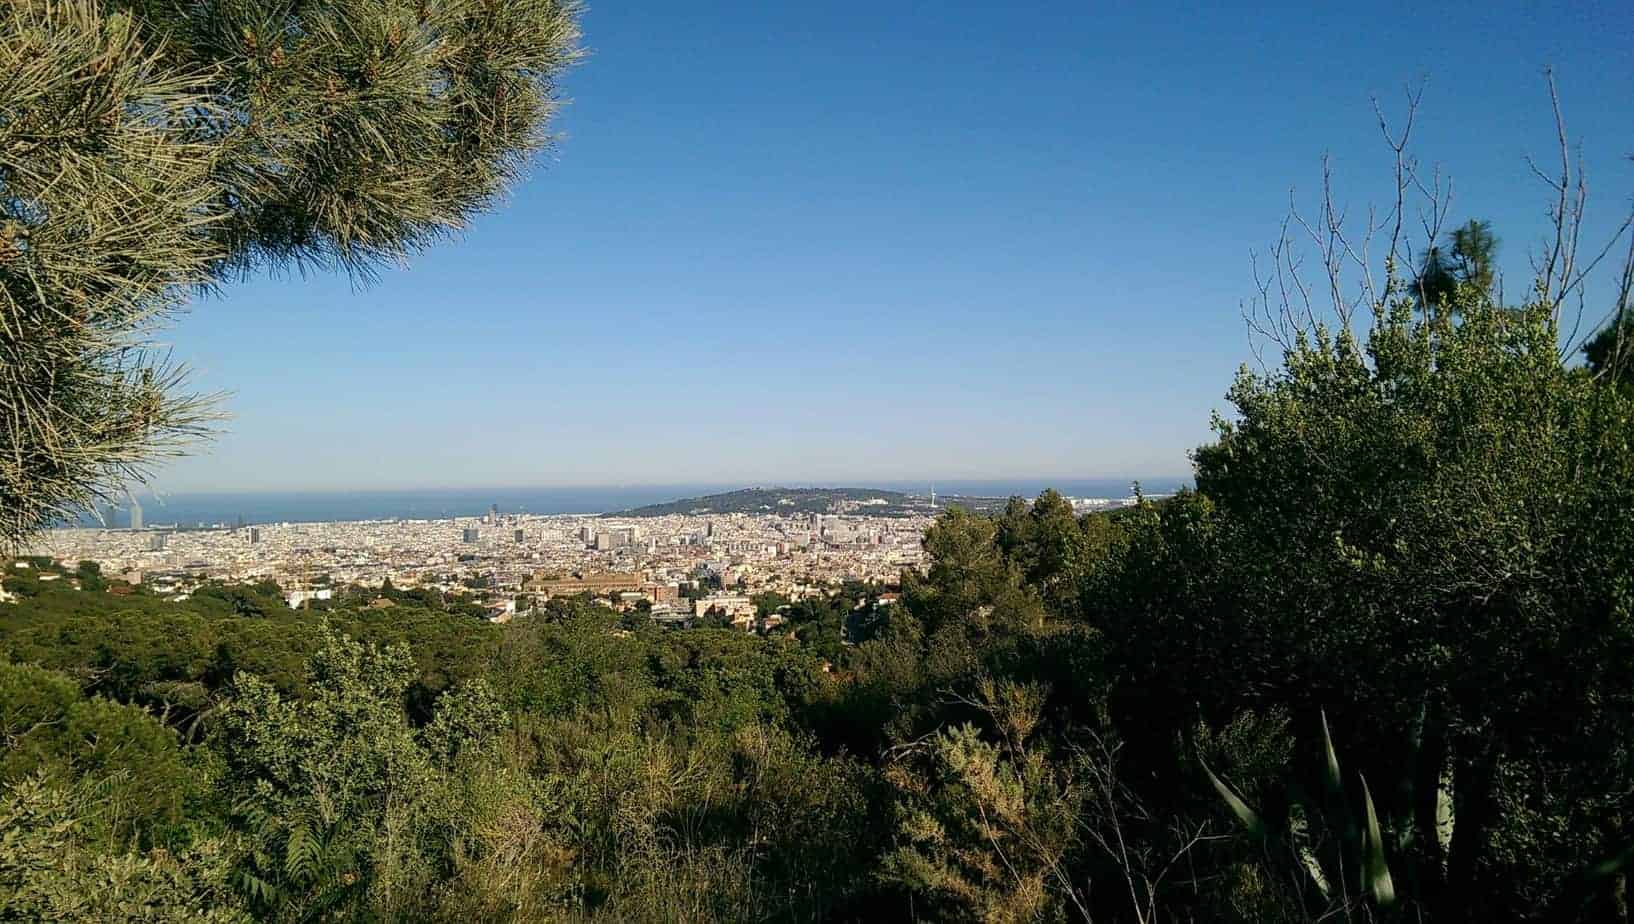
(780, 245)
(243, 508)
(800, 546)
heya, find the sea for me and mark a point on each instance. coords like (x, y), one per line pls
(162, 509)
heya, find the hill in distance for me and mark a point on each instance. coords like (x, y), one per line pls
(860, 501)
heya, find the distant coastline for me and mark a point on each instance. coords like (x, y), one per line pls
(193, 509)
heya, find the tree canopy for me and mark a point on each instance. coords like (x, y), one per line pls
(1609, 354)
(1468, 258)
(152, 147)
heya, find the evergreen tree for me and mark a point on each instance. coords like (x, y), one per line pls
(1610, 353)
(1474, 249)
(152, 147)
(1468, 259)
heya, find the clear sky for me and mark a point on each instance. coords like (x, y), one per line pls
(786, 242)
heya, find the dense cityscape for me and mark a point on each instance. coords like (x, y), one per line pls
(679, 567)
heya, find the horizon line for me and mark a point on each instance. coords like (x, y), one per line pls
(795, 483)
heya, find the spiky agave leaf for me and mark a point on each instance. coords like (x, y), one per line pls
(1375, 871)
(1335, 783)
(1250, 818)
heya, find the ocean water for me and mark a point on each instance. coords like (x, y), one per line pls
(319, 506)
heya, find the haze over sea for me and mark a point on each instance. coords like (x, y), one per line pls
(319, 506)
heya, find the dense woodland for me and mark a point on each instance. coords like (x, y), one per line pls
(1375, 667)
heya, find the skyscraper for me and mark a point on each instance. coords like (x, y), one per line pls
(255, 535)
(135, 514)
(470, 535)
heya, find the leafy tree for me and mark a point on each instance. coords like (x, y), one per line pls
(768, 603)
(1474, 253)
(820, 627)
(1609, 354)
(1053, 548)
(90, 576)
(971, 584)
(1427, 534)
(867, 623)
(49, 727)
(48, 873)
(243, 600)
(345, 805)
(33, 701)
(637, 617)
(987, 829)
(152, 147)
(1007, 819)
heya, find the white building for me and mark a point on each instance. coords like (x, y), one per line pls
(298, 597)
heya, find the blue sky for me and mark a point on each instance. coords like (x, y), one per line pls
(894, 240)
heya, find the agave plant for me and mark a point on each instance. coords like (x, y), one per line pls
(1361, 839)
(1342, 837)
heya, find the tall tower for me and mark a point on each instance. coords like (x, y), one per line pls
(933, 497)
(135, 513)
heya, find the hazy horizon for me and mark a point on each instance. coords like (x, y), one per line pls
(195, 507)
(905, 485)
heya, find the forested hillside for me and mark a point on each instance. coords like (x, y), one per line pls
(1374, 668)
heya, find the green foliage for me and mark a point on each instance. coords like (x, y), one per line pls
(47, 873)
(1425, 535)
(89, 574)
(102, 219)
(49, 728)
(345, 807)
(173, 656)
(971, 584)
(1413, 543)
(987, 829)
(149, 147)
(769, 602)
(1320, 839)
(1468, 259)
(1053, 548)
(1609, 354)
